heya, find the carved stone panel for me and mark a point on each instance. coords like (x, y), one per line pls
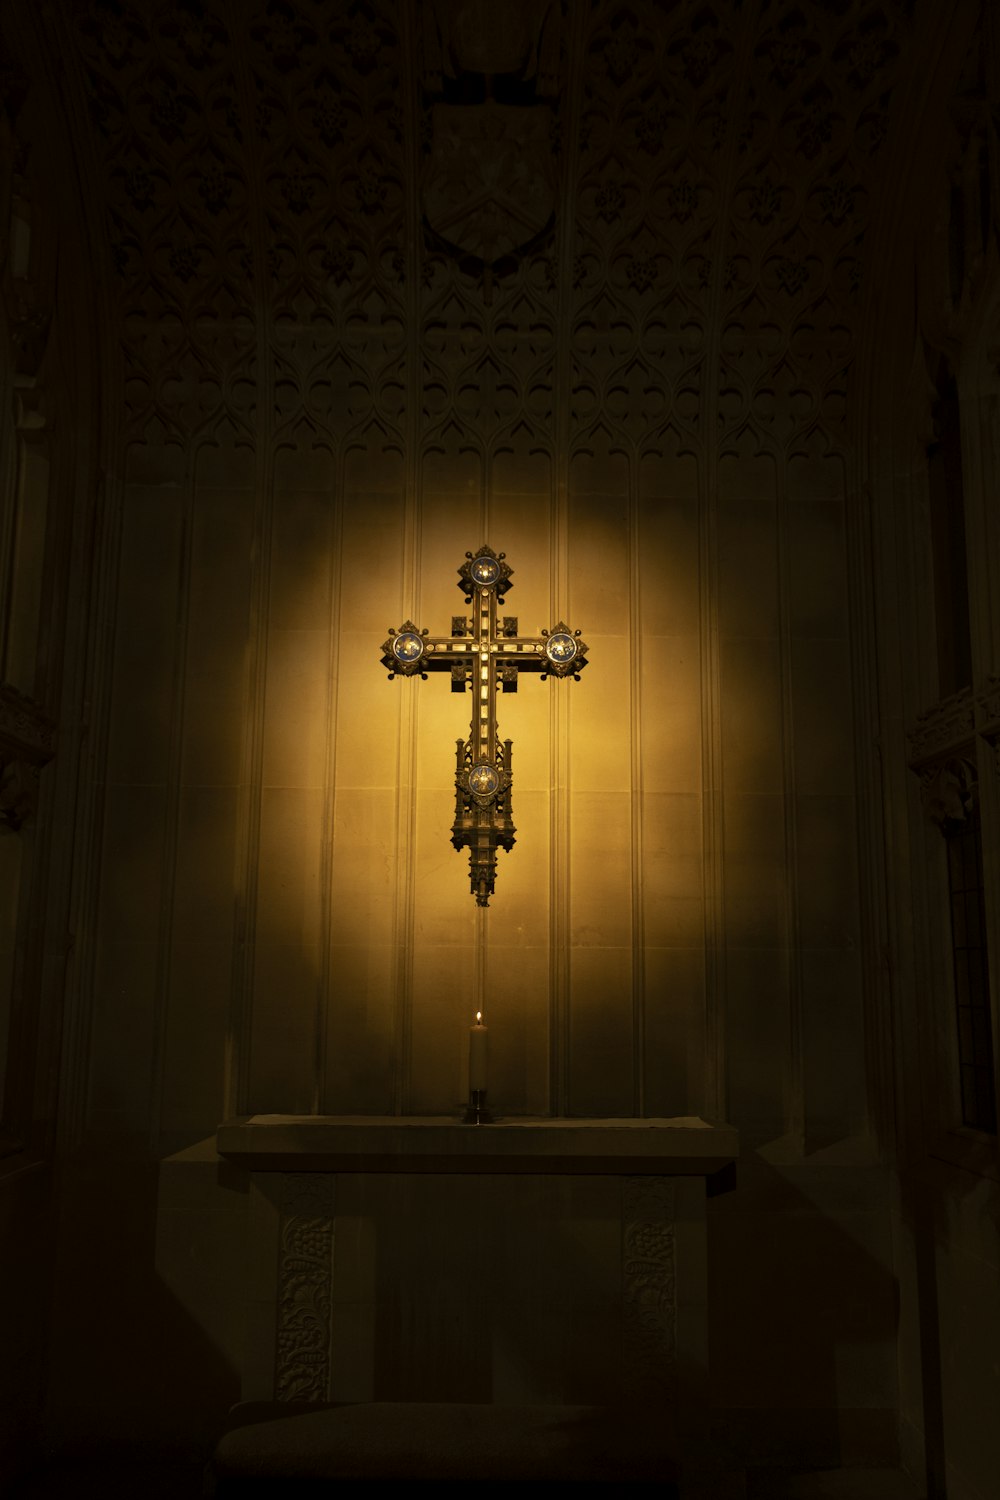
(649, 1286)
(27, 741)
(305, 1289)
(649, 1251)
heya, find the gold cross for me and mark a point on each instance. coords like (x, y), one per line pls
(485, 655)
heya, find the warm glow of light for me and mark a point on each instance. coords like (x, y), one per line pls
(479, 1017)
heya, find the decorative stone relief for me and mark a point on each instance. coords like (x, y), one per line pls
(649, 1289)
(305, 1288)
(27, 741)
(948, 725)
(163, 97)
(328, 121)
(988, 706)
(28, 327)
(490, 184)
(18, 793)
(988, 715)
(647, 198)
(184, 99)
(948, 791)
(720, 175)
(491, 174)
(941, 754)
(810, 140)
(24, 728)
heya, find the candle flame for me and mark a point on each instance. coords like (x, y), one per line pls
(479, 1017)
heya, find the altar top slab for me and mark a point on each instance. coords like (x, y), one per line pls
(683, 1146)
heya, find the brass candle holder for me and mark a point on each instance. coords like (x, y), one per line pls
(476, 1111)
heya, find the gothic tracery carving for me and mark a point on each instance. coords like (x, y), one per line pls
(184, 100)
(722, 173)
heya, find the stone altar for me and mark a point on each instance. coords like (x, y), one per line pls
(532, 1260)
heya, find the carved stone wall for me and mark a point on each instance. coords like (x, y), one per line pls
(322, 390)
(48, 431)
(934, 336)
(644, 400)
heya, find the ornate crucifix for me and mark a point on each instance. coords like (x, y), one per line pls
(486, 655)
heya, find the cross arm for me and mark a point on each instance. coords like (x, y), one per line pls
(412, 652)
(558, 652)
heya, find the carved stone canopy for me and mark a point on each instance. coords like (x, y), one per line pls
(943, 752)
(945, 726)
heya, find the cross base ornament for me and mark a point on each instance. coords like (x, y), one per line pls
(485, 654)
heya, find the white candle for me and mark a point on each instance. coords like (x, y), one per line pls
(479, 1039)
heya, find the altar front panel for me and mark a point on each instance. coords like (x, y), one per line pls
(506, 1288)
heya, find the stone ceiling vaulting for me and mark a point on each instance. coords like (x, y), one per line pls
(625, 226)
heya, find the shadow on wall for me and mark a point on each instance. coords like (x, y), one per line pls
(534, 1290)
(803, 1316)
(452, 1287)
(949, 1237)
(145, 1363)
(504, 1289)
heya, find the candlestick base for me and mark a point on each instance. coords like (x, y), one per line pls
(477, 1113)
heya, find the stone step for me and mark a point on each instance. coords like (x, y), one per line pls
(835, 1484)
